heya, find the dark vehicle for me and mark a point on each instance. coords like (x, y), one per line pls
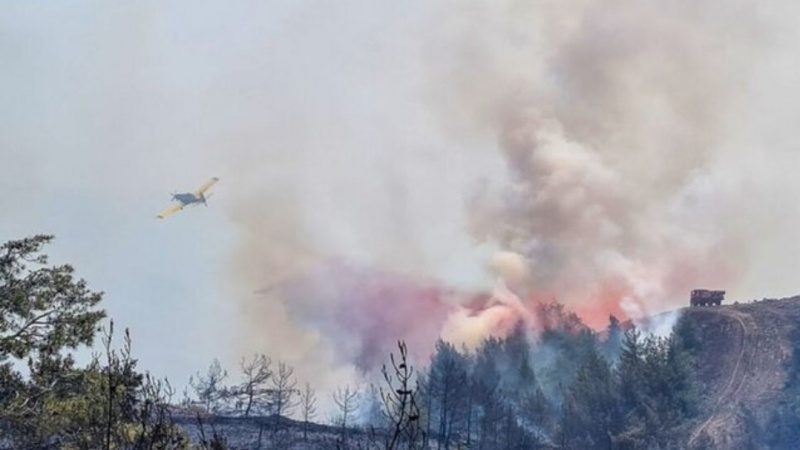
(704, 297)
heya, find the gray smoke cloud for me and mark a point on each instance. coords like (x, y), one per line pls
(612, 118)
(577, 150)
(383, 164)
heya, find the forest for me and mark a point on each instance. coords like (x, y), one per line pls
(562, 387)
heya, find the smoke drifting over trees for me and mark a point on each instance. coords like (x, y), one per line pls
(528, 152)
(592, 152)
(436, 171)
(567, 387)
(559, 386)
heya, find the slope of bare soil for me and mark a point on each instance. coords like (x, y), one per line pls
(742, 366)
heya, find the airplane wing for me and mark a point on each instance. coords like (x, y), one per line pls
(205, 186)
(170, 211)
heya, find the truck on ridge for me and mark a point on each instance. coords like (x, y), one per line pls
(705, 297)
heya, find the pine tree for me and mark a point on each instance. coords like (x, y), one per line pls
(447, 380)
(630, 376)
(283, 394)
(308, 406)
(209, 387)
(252, 394)
(595, 402)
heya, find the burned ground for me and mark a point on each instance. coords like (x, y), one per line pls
(745, 356)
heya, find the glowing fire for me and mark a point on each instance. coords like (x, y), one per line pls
(364, 311)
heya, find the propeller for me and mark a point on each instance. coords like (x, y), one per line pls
(206, 197)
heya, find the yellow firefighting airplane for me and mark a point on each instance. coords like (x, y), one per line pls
(189, 198)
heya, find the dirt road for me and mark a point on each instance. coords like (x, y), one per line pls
(742, 366)
(723, 409)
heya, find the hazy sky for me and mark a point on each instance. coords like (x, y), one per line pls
(107, 107)
(361, 129)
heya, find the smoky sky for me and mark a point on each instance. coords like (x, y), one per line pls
(611, 155)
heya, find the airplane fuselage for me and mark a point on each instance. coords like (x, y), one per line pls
(185, 199)
(188, 198)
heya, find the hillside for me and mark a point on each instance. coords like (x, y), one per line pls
(746, 353)
(745, 359)
(257, 432)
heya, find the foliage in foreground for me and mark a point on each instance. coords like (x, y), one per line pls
(44, 313)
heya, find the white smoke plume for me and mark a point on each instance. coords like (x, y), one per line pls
(403, 170)
(609, 115)
(578, 150)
